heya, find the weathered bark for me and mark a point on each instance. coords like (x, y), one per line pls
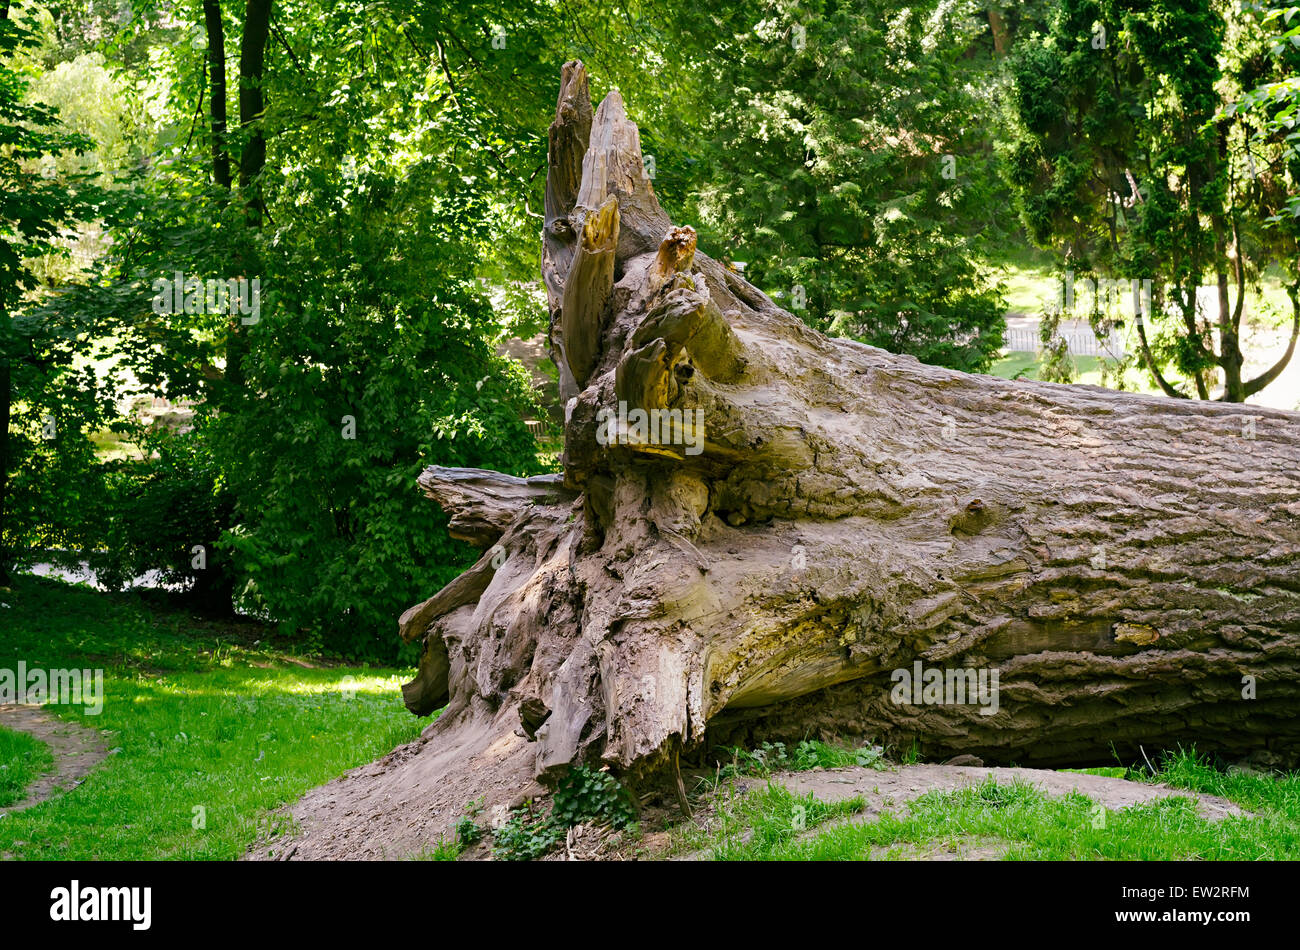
(1121, 561)
(252, 101)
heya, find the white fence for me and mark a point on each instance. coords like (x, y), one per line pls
(1082, 342)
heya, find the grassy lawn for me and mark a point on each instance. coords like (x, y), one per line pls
(1016, 365)
(1020, 822)
(210, 730)
(22, 759)
(1031, 279)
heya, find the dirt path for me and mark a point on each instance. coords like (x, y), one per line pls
(886, 790)
(77, 749)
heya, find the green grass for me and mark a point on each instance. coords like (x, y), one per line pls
(1025, 366)
(1029, 824)
(1030, 278)
(112, 446)
(761, 824)
(209, 728)
(22, 759)
(1018, 365)
(442, 850)
(808, 754)
(1110, 771)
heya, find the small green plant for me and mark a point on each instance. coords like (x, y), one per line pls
(912, 755)
(762, 760)
(583, 795)
(586, 794)
(524, 838)
(443, 850)
(869, 756)
(808, 754)
(468, 831)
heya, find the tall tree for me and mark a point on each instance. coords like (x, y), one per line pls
(1121, 162)
(850, 170)
(217, 96)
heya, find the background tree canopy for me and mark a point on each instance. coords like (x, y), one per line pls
(375, 171)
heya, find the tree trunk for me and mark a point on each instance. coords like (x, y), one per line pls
(217, 72)
(998, 27)
(252, 100)
(252, 160)
(1128, 566)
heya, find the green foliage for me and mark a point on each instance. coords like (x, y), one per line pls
(586, 794)
(94, 102)
(809, 754)
(443, 850)
(1123, 156)
(34, 203)
(57, 493)
(468, 831)
(38, 378)
(524, 838)
(374, 356)
(582, 795)
(162, 507)
(846, 167)
(369, 257)
(1277, 101)
(1056, 366)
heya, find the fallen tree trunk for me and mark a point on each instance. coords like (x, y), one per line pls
(760, 530)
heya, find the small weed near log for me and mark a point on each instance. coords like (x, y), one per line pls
(583, 796)
(808, 754)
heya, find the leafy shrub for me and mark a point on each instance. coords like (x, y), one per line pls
(468, 831)
(583, 795)
(522, 838)
(586, 794)
(332, 539)
(167, 513)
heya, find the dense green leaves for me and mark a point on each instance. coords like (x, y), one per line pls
(1124, 156)
(848, 169)
(853, 158)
